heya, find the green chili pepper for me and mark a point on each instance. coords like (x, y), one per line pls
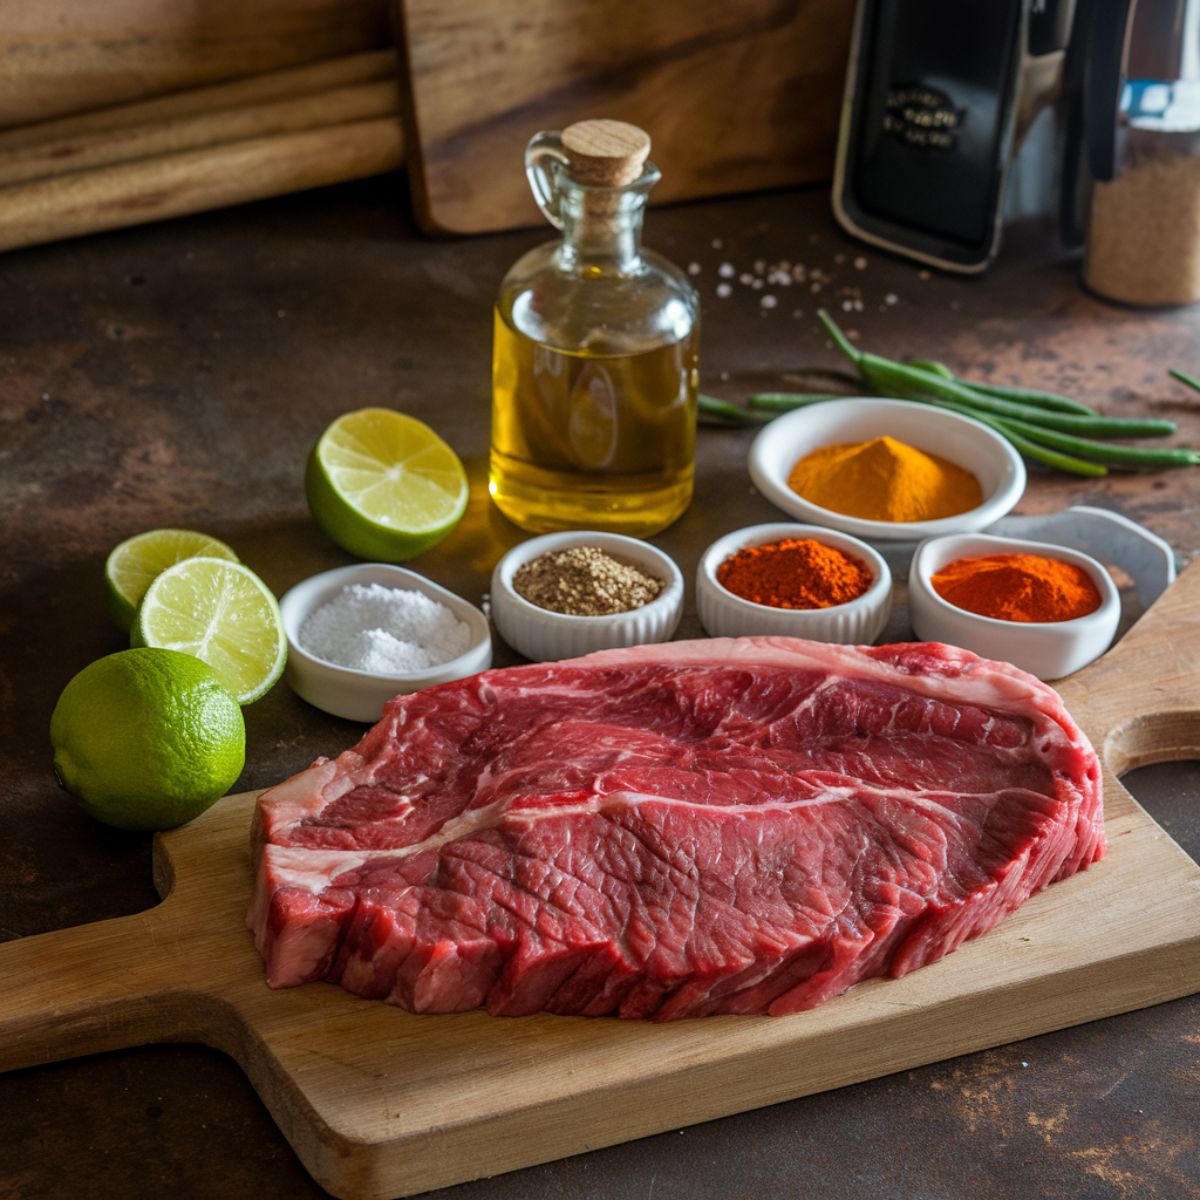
(1019, 395)
(1109, 452)
(1039, 453)
(911, 383)
(784, 401)
(724, 413)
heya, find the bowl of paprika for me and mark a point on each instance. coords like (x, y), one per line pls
(886, 470)
(1047, 609)
(796, 581)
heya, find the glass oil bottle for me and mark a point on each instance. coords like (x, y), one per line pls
(595, 354)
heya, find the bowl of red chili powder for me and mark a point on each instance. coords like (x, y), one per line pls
(794, 580)
(1047, 609)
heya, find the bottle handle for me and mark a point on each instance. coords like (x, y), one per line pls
(544, 152)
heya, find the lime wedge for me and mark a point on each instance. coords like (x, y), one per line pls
(136, 562)
(383, 485)
(221, 613)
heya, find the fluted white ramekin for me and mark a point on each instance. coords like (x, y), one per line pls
(857, 622)
(542, 636)
(1047, 649)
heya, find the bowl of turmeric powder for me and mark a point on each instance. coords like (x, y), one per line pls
(1047, 609)
(795, 581)
(886, 469)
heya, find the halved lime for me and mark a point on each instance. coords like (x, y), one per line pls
(383, 485)
(223, 614)
(136, 562)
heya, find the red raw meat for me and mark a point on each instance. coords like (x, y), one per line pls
(744, 825)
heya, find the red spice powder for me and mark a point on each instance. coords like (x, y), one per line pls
(1018, 587)
(795, 573)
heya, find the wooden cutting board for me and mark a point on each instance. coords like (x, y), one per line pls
(735, 96)
(64, 56)
(378, 1102)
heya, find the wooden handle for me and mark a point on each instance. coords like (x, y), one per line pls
(1143, 696)
(97, 987)
(335, 106)
(346, 71)
(155, 188)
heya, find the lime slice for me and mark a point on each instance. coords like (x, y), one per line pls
(383, 485)
(147, 739)
(136, 562)
(222, 613)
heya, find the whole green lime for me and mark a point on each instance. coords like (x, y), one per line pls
(147, 738)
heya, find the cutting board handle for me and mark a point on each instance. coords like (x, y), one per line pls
(97, 987)
(1140, 703)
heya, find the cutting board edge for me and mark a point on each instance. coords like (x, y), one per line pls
(359, 1170)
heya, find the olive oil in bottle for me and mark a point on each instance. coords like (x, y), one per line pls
(595, 352)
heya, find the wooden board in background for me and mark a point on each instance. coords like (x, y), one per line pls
(378, 1102)
(65, 56)
(736, 97)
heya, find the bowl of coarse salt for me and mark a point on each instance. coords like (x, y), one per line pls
(359, 635)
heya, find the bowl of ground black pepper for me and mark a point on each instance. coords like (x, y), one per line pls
(565, 594)
(793, 580)
(1047, 609)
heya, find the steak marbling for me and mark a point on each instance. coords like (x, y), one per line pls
(741, 825)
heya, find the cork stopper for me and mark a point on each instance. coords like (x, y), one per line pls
(605, 153)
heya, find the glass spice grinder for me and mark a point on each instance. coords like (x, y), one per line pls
(594, 371)
(1143, 239)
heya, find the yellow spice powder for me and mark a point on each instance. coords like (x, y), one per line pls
(884, 480)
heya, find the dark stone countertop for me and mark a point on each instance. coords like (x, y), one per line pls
(178, 374)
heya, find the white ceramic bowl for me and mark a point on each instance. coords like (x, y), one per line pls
(1049, 649)
(541, 635)
(857, 622)
(361, 695)
(968, 443)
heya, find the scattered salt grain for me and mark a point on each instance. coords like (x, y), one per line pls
(384, 630)
(860, 263)
(694, 268)
(717, 243)
(891, 298)
(768, 301)
(723, 290)
(727, 270)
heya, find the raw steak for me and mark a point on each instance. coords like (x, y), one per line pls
(722, 826)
